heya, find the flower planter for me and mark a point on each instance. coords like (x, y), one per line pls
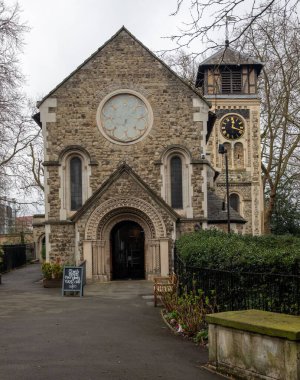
(53, 283)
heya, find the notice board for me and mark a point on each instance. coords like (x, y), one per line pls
(72, 280)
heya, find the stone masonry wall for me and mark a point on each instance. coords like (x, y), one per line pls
(244, 191)
(123, 64)
(246, 180)
(62, 243)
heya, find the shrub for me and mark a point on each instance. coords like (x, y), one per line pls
(47, 271)
(189, 310)
(52, 271)
(57, 271)
(217, 250)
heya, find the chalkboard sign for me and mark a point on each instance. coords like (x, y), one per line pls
(73, 280)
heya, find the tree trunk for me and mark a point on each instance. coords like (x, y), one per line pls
(269, 211)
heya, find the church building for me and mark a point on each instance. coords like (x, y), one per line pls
(131, 158)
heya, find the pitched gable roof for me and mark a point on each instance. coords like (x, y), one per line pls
(124, 168)
(229, 56)
(123, 29)
(216, 212)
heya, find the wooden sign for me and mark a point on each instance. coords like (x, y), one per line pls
(72, 280)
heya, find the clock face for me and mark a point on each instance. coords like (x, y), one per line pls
(232, 127)
(124, 117)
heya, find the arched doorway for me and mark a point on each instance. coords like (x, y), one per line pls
(40, 248)
(101, 228)
(43, 248)
(127, 245)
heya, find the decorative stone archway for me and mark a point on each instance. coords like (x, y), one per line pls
(100, 215)
(40, 241)
(96, 246)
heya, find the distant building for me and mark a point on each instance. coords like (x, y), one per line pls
(7, 215)
(13, 229)
(24, 223)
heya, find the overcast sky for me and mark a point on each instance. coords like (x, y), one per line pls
(63, 33)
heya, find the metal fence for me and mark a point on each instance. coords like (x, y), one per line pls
(13, 256)
(242, 290)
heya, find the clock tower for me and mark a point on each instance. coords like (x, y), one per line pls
(228, 79)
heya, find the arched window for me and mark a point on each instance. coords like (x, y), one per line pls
(176, 182)
(239, 155)
(75, 172)
(234, 201)
(76, 183)
(227, 146)
(176, 172)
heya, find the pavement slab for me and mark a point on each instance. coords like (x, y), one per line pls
(112, 333)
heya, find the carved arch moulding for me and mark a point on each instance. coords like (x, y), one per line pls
(126, 206)
(124, 214)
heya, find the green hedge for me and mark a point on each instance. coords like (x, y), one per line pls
(218, 250)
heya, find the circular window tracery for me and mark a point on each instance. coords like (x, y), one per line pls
(124, 117)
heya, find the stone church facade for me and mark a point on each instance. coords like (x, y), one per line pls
(127, 164)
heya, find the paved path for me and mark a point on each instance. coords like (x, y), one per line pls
(112, 333)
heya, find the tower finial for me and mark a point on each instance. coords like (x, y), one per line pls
(227, 19)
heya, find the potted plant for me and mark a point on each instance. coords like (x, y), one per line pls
(52, 273)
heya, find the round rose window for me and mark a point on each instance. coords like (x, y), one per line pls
(124, 117)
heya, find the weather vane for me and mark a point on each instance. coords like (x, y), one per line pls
(228, 19)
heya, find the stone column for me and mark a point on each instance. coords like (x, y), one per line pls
(153, 262)
(99, 270)
(95, 259)
(87, 255)
(164, 256)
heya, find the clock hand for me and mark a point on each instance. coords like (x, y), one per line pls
(238, 129)
(232, 122)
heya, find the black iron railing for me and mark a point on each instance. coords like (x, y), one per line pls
(13, 256)
(242, 290)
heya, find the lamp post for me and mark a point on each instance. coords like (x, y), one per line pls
(222, 150)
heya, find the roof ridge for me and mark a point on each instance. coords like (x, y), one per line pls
(123, 28)
(235, 52)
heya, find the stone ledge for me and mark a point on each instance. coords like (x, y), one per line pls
(261, 322)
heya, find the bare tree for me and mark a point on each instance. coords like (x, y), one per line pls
(18, 133)
(26, 171)
(183, 64)
(207, 17)
(274, 40)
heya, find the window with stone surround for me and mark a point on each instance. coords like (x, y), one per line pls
(176, 175)
(234, 201)
(238, 154)
(227, 147)
(74, 185)
(176, 182)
